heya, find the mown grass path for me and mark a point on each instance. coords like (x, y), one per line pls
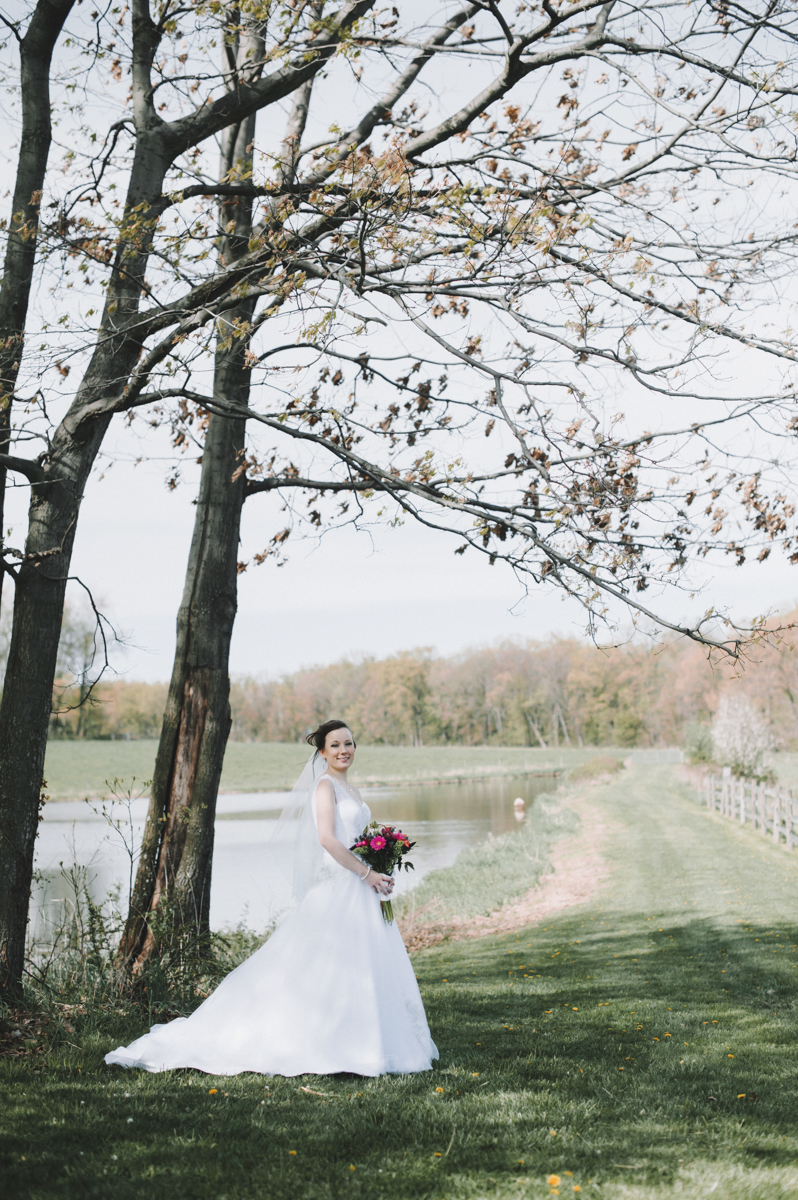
(642, 1046)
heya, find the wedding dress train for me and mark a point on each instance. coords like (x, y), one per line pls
(331, 990)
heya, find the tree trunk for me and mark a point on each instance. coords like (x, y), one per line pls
(35, 54)
(533, 728)
(174, 871)
(177, 847)
(41, 579)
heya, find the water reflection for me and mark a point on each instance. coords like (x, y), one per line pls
(443, 818)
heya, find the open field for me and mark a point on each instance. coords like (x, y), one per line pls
(641, 1046)
(77, 769)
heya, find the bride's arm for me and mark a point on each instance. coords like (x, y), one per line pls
(325, 821)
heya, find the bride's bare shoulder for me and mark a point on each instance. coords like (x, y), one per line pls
(325, 789)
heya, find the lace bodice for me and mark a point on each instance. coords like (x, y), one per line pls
(351, 818)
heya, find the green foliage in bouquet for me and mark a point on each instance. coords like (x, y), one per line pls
(383, 848)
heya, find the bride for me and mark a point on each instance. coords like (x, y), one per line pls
(332, 989)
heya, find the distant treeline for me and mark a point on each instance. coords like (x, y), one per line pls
(560, 692)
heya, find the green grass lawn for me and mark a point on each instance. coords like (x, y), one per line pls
(641, 1047)
(77, 769)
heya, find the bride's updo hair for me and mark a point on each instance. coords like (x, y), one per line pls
(319, 736)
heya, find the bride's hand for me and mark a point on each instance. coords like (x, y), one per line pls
(381, 883)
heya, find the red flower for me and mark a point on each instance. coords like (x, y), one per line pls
(377, 843)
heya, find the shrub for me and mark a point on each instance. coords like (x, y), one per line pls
(742, 738)
(698, 744)
(601, 764)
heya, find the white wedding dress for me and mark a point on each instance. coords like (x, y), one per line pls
(331, 990)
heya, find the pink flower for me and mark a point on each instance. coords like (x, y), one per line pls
(377, 843)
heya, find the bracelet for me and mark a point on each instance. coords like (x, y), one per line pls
(368, 872)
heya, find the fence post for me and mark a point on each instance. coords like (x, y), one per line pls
(742, 802)
(763, 816)
(777, 816)
(788, 815)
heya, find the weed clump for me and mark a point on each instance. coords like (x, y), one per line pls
(594, 768)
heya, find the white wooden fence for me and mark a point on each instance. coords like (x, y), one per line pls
(771, 810)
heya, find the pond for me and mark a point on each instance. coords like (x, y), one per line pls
(443, 818)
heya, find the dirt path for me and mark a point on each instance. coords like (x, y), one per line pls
(578, 869)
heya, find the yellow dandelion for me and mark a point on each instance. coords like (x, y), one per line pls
(553, 1180)
(292, 1152)
(439, 1090)
(212, 1091)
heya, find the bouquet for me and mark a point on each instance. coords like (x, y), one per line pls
(383, 848)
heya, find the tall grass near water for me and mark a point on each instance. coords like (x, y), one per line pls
(72, 963)
(493, 873)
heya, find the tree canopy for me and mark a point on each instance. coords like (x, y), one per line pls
(559, 227)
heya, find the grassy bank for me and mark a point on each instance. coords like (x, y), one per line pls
(489, 875)
(641, 1047)
(77, 769)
